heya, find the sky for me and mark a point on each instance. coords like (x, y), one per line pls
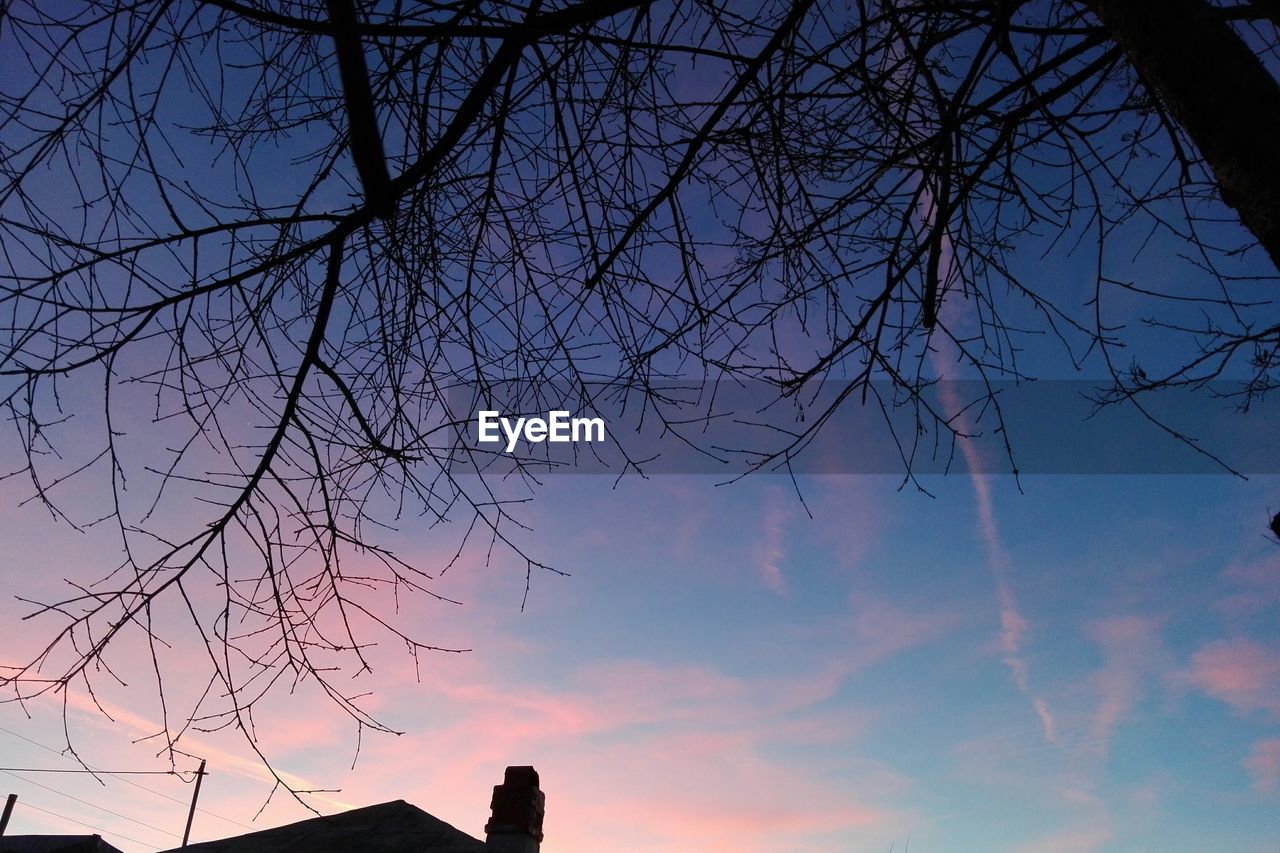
(1092, 663)
(839, 661)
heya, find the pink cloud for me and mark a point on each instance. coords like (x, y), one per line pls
(1080, 838)
(1263, 764)
(771, 548)
(730, 796)
(680, 757)
(944, 352)
(621, 696)
(1013, 625)
(229, 758)
(700, 755)
(849, 518)
(1254, 585)
(882, 629)
(1240, 672)
(1132, 652)
(1047, 781)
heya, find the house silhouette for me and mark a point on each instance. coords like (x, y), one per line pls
(515, 826)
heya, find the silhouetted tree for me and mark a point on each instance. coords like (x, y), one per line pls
(253, 247)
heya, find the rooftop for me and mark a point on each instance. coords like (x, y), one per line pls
(394, 827)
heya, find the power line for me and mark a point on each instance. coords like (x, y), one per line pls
(85, 769)
(95, 806)
(121, 778)
(187, 802)
(91, 772)
(97, 829)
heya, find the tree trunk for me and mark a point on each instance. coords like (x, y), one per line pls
(362, 118)
(1218, 90)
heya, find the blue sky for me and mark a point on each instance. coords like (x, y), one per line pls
(966, 662)
(722, 672)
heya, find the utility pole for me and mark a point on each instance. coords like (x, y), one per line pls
(195, 795)
(8, 810)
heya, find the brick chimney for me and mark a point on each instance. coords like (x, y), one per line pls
(515, 822)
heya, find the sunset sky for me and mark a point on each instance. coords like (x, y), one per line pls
(1093, 664)
(843, 660)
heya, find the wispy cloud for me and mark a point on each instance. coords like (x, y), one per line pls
(1133, 654)
(1240, 672)
(1013, 626)
(1079, 838)
(1253, 586)
(771, 546)
(1263, 764)
(709, 760)
(139, 728)
(944, 352)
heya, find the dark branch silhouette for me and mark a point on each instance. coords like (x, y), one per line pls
(262, 260)
(1218, 90)
(366, 139)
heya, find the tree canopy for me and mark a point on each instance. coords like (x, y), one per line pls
(252, 249)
